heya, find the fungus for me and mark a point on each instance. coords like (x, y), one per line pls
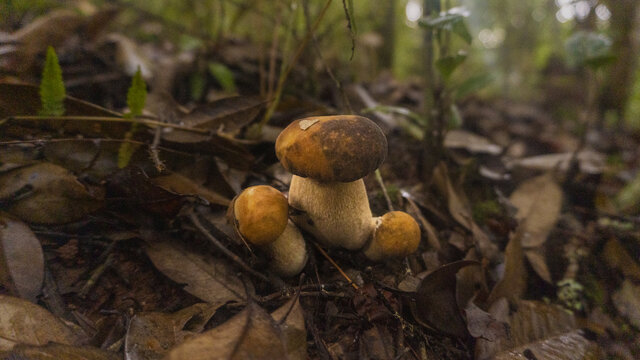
(260, 216)
(396, 235)
(329, 156)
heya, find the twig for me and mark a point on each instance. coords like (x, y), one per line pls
(324, 253)
(153, 150)
(196, 222)
(384, 190)
(95, 276)
(148, 122)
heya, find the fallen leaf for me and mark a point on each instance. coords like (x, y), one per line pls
(627, 301)
(211, 279)
(537, 331)
(55, 195)
(460, 210)
(482, 325)
(293, 328)
(539, 201)
(151, 334)
(435, 303)
(52, 29)
(182, 185)
(513, 283)
(460, 139)
(227, 115)
(617, 257)
(22, 322)
(538, 262)
(60, 352)
(251, 334)
(590, 162)
(21, 259)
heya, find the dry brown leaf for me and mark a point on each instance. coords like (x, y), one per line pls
(435, 303)
(538, 262)
(460, 210)
(21, 259)
(22, 322)
(60, 352)
(211, 279)
(514, 280)
(539, 201)
(151, 334)
(56, 196)
(627, 301)
(482, 325)
(537, 331)
(227, 115)
(461, 139)
(618, 258)
(251, 334)
(293, 329)
(182, 185)
(590, 162)
(52, 29)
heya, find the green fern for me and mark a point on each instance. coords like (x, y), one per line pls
(52, 91)
(136, 97)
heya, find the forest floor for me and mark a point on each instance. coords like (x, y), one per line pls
(525, 250)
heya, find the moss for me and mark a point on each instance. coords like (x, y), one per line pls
(485, 209)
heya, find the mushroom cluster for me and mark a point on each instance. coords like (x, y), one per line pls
(328, 156)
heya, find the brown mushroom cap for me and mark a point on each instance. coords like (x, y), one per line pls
(261, 214)
(340, 148)
(397, 235)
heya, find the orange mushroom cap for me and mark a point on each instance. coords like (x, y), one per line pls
(340, 148)
(261, 214)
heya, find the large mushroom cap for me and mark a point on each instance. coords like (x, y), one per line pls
(341, 148)
(261, 214)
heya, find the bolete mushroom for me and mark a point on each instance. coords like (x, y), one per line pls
(260, 215)
(396, 235)
(329, 156)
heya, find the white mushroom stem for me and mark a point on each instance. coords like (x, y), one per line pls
(336, 213)
(288, 253)
(373, 250)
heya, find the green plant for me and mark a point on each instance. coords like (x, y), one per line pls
(136, 98)
(52, 90)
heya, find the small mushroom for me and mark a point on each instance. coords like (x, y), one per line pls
(329, 156)
(396, 235)
(260, 216)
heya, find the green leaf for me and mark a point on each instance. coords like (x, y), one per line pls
(588, 48)
(223, 76)
(136, 96)
(448, 64)
(452, 20)
(473, 84)
(52, 91)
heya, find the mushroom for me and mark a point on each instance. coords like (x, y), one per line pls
(260, 215)
(396, 235)
(329, 156)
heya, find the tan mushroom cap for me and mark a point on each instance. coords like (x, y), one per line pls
(340, 148)
(397, 235)
(261, 214)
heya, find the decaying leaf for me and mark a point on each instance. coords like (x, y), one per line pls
(22, 322)
(482, 325)
(293, 328)
(60, 352)
(55, 196)
(182, 185)
(514, 280)
(226, 115)
(21, 259)
(460, 139)
(537, 331)
(151, 334)
(435, 303)
(627, 301)
(460, 210)
(251, 334)
(539, 201)
(211, 279)
(617, 257)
